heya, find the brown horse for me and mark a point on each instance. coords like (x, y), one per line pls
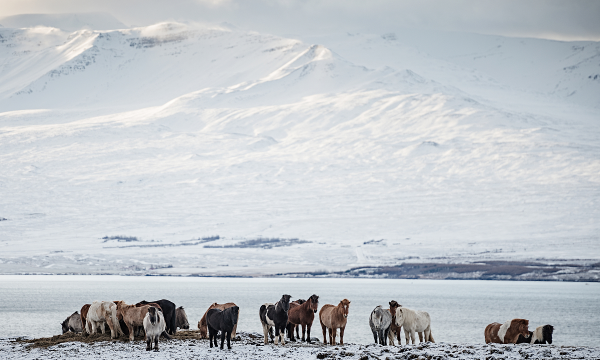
(507, 333)
(302, 314)
(332, 318)
(132, 316)
(203, 326)
(394, 330)
(84, 311)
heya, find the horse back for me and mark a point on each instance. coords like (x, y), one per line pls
(326, 316)
(300, 314)
(491, 333)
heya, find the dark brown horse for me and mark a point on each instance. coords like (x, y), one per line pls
(302, 314)
(203, 326)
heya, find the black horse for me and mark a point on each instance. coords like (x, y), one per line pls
(275, 315)
(168, 309)
(221, 320)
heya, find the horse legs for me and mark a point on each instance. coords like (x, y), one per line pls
(324, 334)
(131, 334)
(148, 343)
(266, 332)
(290, 330)
(212, 336)
(391, 334)
(375, 336)
(407, 336)
(223, 335)
(342, 335)
(421, 337)
(229, 340)
(308, 326)
(156, 342)
(297, 331)
(276, 335)
(413, 337)
(282, 334)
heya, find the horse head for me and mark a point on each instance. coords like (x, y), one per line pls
(285, 302)
(153, 315)
(399, 317)
(314, 303)
(65, 326)
(394, 304)
(523, 328)
(547, 331)
(235, 310)
(345, 305)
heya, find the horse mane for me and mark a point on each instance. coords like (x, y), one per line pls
(314, 298)
(181, 307)
(344, 302)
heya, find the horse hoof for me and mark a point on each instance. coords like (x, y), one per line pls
(156, 350)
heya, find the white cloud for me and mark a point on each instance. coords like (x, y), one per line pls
(558, 19)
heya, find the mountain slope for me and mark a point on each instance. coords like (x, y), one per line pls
(289, 152)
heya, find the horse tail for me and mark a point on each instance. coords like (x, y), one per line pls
(430, 335)
(165, 335)
(115, 320)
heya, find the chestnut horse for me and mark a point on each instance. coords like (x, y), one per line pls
(507, 333)
(203, 326)
(302, 314)
(133, 316)
(332, 318)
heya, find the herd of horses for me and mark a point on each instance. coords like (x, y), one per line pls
(163, 318)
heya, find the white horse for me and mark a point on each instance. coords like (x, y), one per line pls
(154, 325)
(414, 321)
(102, 312)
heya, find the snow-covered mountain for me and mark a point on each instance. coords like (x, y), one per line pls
(133, 149)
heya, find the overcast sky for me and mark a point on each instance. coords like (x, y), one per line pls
(554, 19)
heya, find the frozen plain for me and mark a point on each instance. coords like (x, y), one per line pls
(447, 147)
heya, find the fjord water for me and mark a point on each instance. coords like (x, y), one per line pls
(34, 306)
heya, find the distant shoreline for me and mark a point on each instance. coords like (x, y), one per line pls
(483, 270)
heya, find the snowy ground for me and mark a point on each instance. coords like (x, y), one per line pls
(370, 149)
(253, 348)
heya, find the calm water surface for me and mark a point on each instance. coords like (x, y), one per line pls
(36, 305)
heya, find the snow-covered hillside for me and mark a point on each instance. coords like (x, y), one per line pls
(121, 150)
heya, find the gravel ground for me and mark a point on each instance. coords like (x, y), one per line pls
(250, 346)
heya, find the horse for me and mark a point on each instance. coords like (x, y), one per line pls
(332, 318)
(541, 335)
(293, 327)
(100, 313)
(302, 313)
(223, 321)
(202, 326)
(275, 315)
(72, 323)
(168, 309)
(507, 333)
(414, 321)
(380, 321)
(84, 311)
(154, 325)
(132, 316)
(181, 320)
